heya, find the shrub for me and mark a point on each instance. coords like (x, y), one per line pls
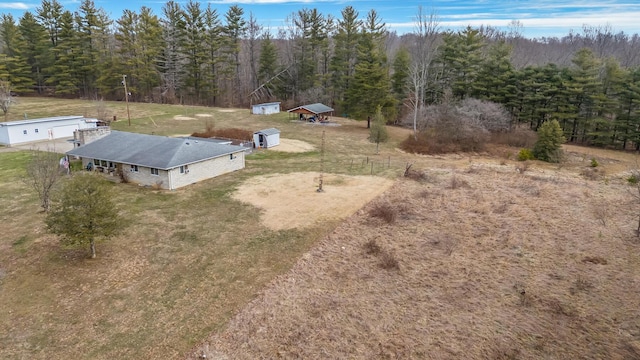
(385, 212)
(371, 247)
(519, 137)
(594, 162)
(549, 145)
(525, 154)
(633, 179)
(388, 261)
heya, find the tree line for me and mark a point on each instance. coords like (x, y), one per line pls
(192, 54)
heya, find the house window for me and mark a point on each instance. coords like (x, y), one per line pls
(154, 171)
(134, 168)
(111, 165)
(96, 162)
(184, 169)
(36, 131)
(104, 163)
(24, 132)
(232, 156)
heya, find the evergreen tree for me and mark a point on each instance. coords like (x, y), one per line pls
(233, 31)
(19, 75)
(83, 211)
(460, 60)
(550, 139)
(378, 131)
(172, 58)
(64, 73)
(628, 113)
(370, 86)
(400, 76)
(268, 64)
(193, 50)
(34, 50)
(213, 44)
(49, 15)
(342, 66)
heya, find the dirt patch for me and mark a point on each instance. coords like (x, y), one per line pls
(204, 115)
(291, 145)
(180, 117)
(227, 110)
(291, 200)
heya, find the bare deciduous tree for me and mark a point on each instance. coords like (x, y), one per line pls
(427, 28)
(43, 173)
(5, 97)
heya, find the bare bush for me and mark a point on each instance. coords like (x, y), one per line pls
(592, 173)
(371, 247)
(522, 167)
(457, 182)
(449, 127)
(384, 211)
(518, 137)
(388, 261)
(230, 133)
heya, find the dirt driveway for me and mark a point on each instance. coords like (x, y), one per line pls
(58, 145)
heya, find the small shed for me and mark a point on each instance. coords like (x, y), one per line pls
(266, 138)
(316, 110)
(266, 108)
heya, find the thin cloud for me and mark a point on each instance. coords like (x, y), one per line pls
(14, 6)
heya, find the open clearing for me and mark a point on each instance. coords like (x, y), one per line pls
(292, 201)
(490, 264)
(483, 257)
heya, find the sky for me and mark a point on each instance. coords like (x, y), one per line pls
(539, 18)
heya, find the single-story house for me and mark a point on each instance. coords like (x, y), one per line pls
(315, 111)
(266, 108)
(24, 131)
(166, 162)
(266, 138)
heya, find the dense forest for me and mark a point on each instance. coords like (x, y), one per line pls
(192, 54)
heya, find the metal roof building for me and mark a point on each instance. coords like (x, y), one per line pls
(25, 131)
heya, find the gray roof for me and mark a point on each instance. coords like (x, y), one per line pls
(152, 151)
(270, 131)
(48, 119)
(316, 108)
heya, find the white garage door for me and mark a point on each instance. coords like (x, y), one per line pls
(63, 131)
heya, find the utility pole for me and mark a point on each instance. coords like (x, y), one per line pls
(320, 189)
(126, 96)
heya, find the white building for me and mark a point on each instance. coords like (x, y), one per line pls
(24, 131)
(266, 109)
(266, 138)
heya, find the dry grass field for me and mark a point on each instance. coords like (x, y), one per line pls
(475, 256)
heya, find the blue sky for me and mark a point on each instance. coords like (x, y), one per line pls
(538, 17)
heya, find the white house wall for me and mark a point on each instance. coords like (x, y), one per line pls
(173, 179)
(206, 169)
(269, 109)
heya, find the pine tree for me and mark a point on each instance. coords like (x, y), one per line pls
(19, 74)
(172, 58)
(550, 139)
(233, 31)
(370, 86)
(400, 76)
(378, 132)
(64, 73)
(83, 211)
(342, 64)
